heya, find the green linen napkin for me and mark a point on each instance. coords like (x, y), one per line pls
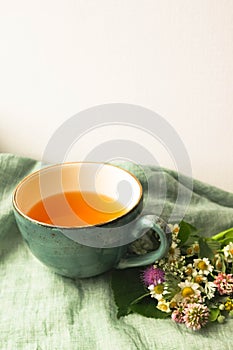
(41, 310)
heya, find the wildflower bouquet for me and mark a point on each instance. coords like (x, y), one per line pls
(192, 284)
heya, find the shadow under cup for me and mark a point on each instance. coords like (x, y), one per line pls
(85, 250)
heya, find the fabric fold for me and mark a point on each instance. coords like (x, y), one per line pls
(42, 310)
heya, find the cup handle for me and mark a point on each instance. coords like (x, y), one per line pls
(144, 223)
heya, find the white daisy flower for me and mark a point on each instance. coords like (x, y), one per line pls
(218, 262)
(156, 291)
(189, 289)
(199, 278)
(164, 305)
(174, 252)
(190, 271)
(228, 252)
(190, 251)
(203, 265)
(174, 228)
(196, 247)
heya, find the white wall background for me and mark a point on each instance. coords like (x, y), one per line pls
(58, 57)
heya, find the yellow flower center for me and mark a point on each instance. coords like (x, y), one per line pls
(172, 251)
(163, 307)
(189, 251)
(196, 248)
(202, 265)
(159, 289)
(176, 230)
(173, 304)
(188, 271)
(198, 279)
(231, 251)
(187, 292)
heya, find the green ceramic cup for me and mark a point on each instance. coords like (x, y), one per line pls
(86, 250)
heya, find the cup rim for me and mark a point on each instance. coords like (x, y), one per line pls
(89, 226)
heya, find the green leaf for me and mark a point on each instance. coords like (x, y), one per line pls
(205, 250)
(224, 235)
(185, 232)
(214, 313)
(213, 245)
(127, 287)
(147, 307)
(227, 240)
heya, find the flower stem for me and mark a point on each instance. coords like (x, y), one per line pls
(140, 298)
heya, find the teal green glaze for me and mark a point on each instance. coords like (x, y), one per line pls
(142, 224)
(69, 258)
(64, 256)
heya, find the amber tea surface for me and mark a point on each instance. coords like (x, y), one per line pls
(76, 209)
